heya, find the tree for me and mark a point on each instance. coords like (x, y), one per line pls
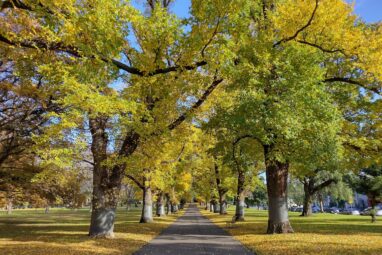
(246, 170)
(313, 185)
(369, 182)
(204, 179)
(128, 194)
(285, 67)
(222, 179)
(280, 59)
(15, 180)
(80, 72)
(318, 166)
(260, 194)
(160, 160)
(21, 116)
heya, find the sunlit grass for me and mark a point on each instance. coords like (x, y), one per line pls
(323, 234)
(63, 231)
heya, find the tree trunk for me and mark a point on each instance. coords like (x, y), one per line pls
(160, 212)
(373, 211)
(222, 207)
(104, 205)
(207, 204)
(168, 204)
(174, 207)
(308, 193)
(310, 189)
(240, 197)
(147, 207)
(168, 208)
(321, 202)
(277, 182)
(307, 206)
(106, 183)
(211, 206)
(47, 209)
(223, 204)
(373, 217)
(9, 207)
(216, 207)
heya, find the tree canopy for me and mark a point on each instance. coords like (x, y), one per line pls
(194, 106)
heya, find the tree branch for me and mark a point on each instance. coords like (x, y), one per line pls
(299, 30)
(132, 138)
(14, 4)
(324, 184)
(196, 105)
(212, 37)
(40, 44)
(89, 162)
(60, 47)
(11, 4)
(136, 71)
(140, 185)
(360, 149)
(320, 47)
(354, 82)
(177, 158)
(130, 143)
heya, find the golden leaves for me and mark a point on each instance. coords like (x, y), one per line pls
(326, 234)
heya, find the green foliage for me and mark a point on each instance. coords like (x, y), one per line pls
(369, 182)
(295, 76)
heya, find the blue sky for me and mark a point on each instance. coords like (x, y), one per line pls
(369, 10)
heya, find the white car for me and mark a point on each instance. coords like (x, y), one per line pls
(366, 212)
(350, 212)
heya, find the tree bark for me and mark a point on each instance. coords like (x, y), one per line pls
(320, 198)
(308, 194)
(174, 207)
(223, 204)
(160, 212)
(310, 189)
(104, 204)
(216, 207)
(222, 208)
(147, 208)
(9, 207)
(277, 182)
(240, 197)
(372, 211)
(307, 206)
(168, 204)
(106, 184)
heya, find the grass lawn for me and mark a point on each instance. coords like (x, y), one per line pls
(321, 234)
(63, 231)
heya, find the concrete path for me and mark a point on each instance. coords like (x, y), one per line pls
(193, 234)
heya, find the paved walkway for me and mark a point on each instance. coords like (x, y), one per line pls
(193, 234)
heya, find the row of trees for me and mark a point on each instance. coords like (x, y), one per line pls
(168, 102)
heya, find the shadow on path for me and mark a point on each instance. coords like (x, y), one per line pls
(193, 234)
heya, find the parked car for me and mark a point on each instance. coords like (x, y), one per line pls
(350, 211)
(316, 209)
(295, 209)
(366, 212)
(333, 210)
